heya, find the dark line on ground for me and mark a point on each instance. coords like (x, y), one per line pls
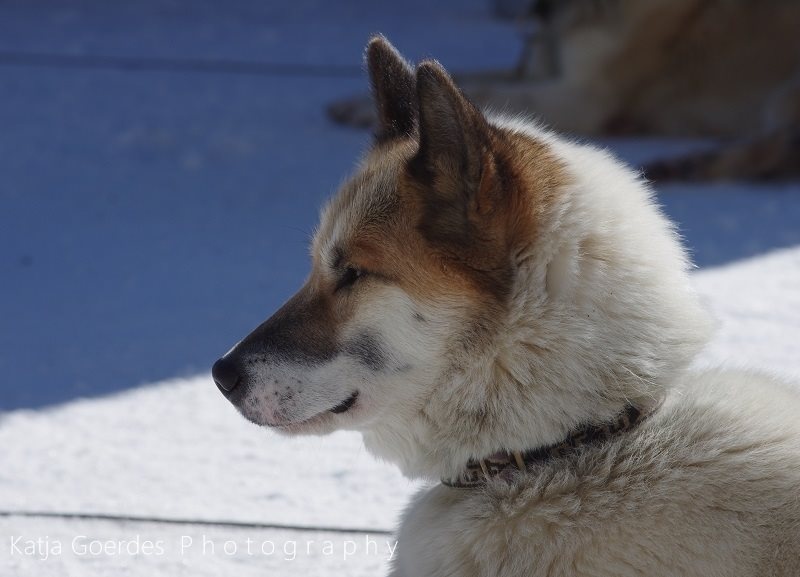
(213, 66)
(184, 521)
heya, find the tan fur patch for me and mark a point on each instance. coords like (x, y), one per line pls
(376, 220)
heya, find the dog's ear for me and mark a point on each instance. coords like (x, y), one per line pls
(455, 161)
(392, 80)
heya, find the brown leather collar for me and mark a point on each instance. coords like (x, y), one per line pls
(506, 463)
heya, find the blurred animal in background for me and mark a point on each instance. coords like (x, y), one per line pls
(770, 152)
(728, 70)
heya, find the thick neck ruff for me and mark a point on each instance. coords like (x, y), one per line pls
(506, 464)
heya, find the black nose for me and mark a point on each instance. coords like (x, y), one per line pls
(226, 375)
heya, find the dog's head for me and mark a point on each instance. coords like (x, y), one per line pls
(459, 286)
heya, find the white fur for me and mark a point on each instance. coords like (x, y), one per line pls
(601, 314)
(623, 322)
(709, 486)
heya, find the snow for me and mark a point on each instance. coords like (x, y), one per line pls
(757, 303)
(150, 218)
(177, 449)
(183, 440)
(94, 548)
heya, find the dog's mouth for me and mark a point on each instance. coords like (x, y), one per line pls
(299, 426)
(345, 405)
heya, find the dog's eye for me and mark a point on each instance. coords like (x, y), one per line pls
(350, 276)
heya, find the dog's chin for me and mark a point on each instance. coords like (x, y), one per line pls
(321, 423)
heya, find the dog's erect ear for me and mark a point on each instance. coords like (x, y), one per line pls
(393, 89)
(455, 158)
(454, 134)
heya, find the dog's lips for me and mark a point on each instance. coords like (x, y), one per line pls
(345, 405)
(338, 409)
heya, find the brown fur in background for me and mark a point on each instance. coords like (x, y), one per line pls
(722, 69)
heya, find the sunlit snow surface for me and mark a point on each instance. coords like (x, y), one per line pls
(152, 217)
(178, 449)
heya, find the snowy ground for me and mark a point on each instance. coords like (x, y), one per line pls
(177, 450)
(160, 169)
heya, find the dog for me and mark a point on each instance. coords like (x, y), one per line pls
(508, 315)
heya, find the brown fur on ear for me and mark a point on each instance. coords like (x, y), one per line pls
(393, 88)
(455, 161)
(462, 182)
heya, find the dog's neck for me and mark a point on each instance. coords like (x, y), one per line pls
(438, 439)
(534, 388)
(581, 339)
(507, 465)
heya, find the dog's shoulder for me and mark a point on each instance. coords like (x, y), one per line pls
(724, 444)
